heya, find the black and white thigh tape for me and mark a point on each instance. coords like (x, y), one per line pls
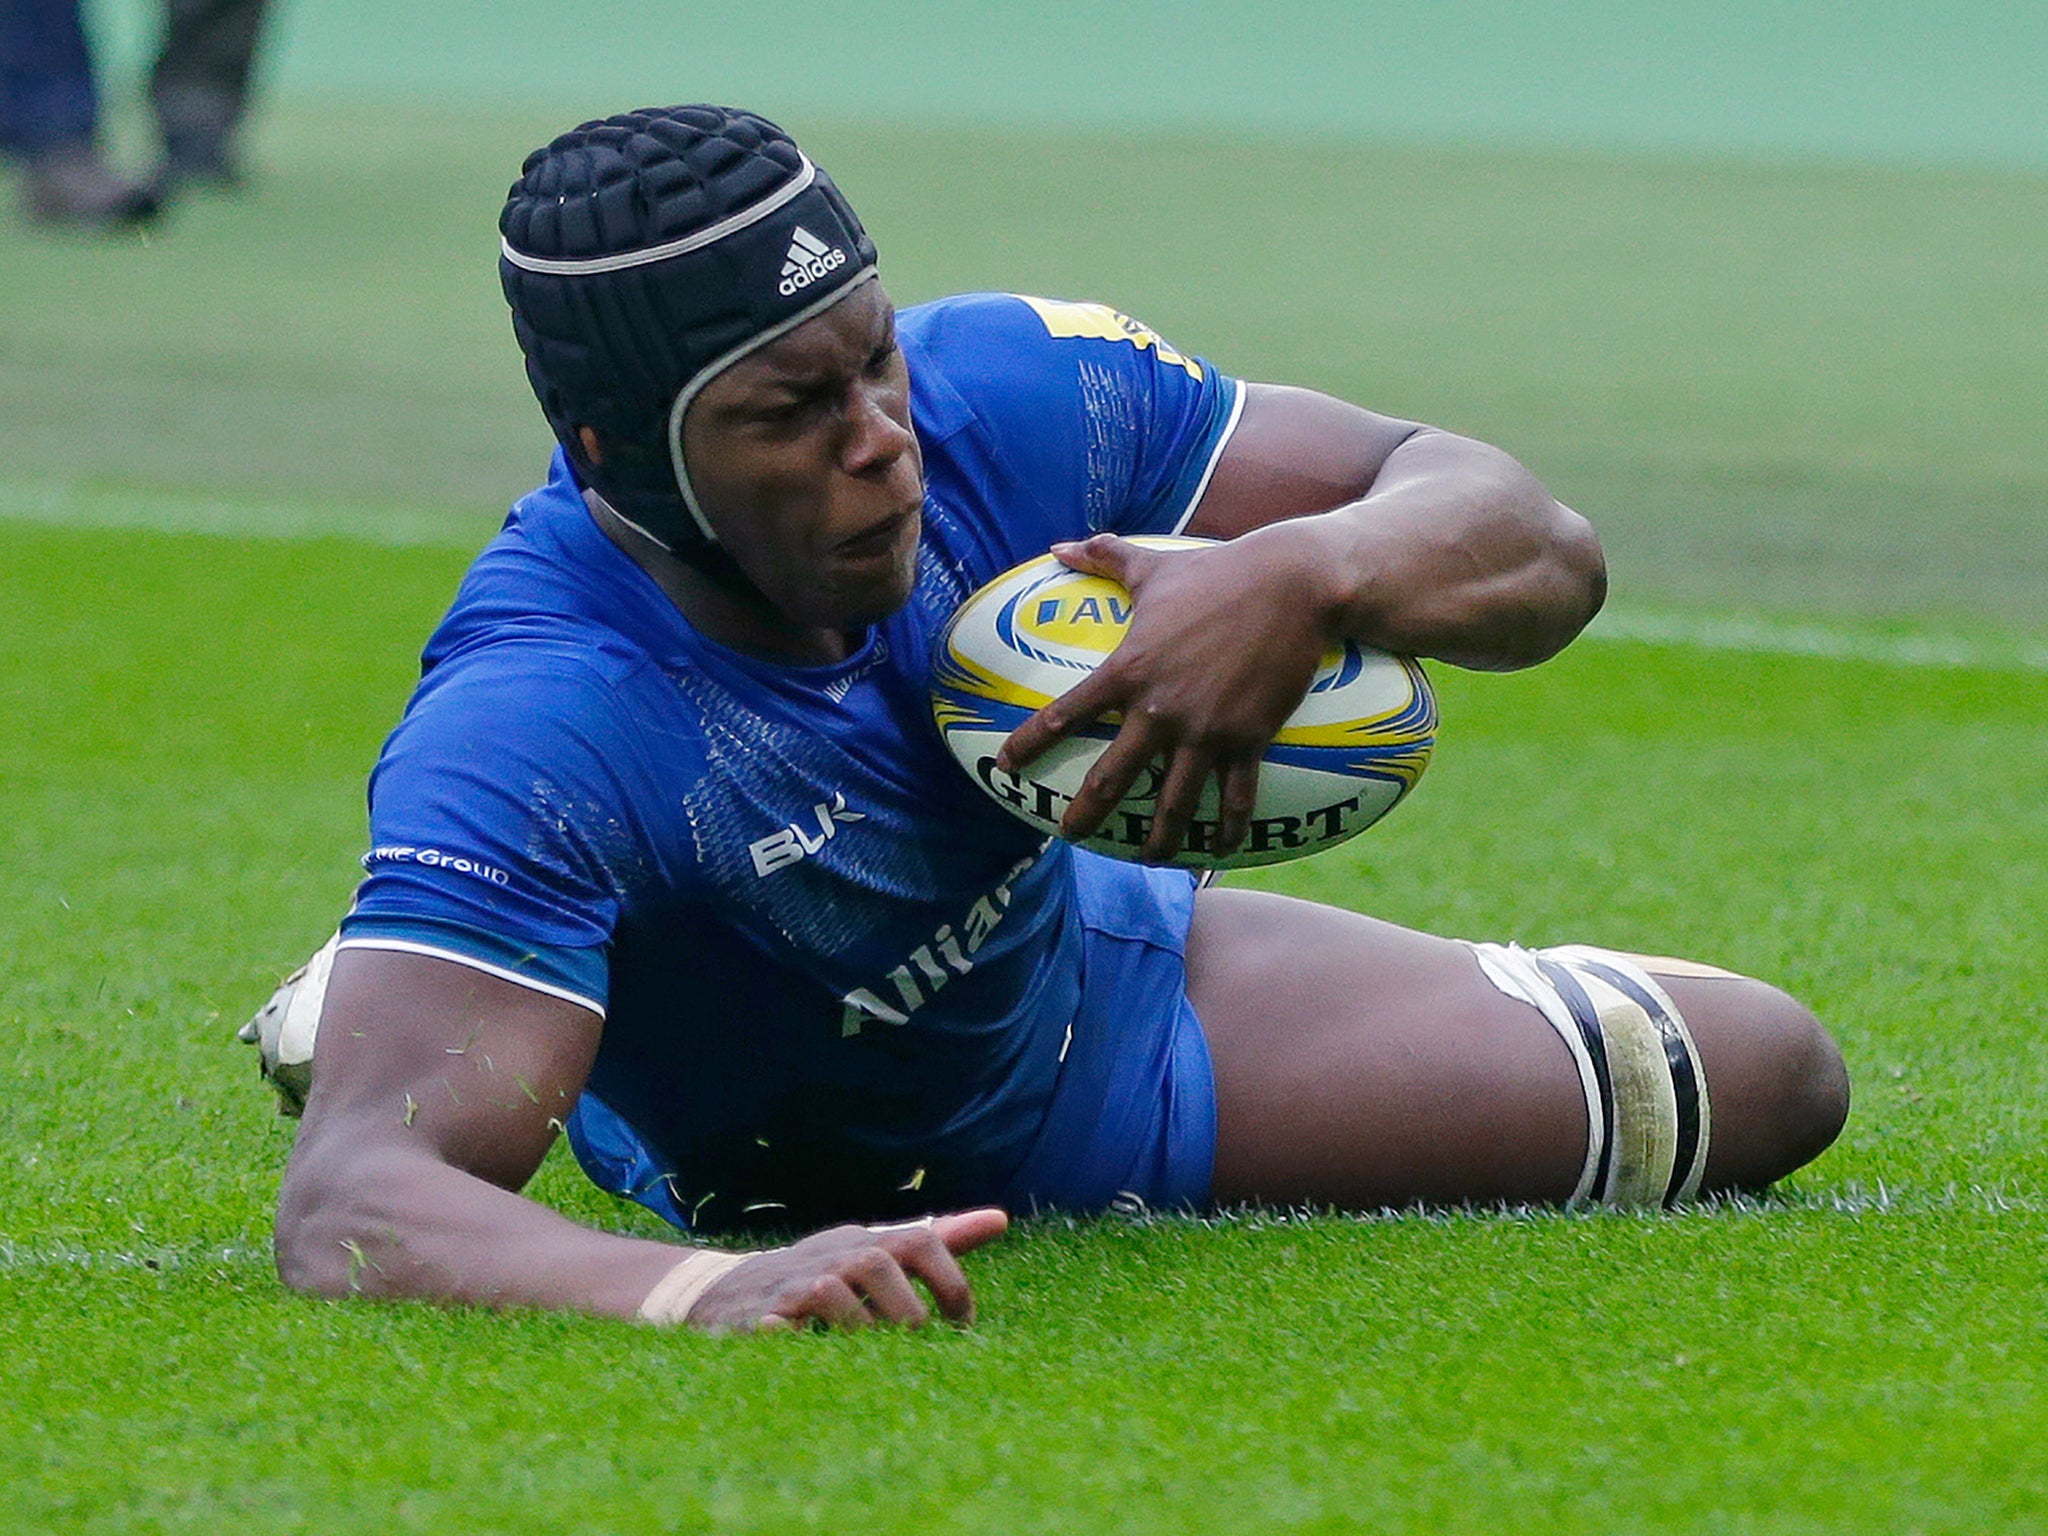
(1647, 1114)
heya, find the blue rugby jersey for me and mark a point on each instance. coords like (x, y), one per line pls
(835, 978)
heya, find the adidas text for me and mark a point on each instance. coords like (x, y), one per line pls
(808, 260)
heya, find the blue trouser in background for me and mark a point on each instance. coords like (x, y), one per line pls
(199, 85)
(47, 95)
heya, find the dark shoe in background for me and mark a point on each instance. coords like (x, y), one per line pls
(197, 159)
(197, 125)
(71, 186)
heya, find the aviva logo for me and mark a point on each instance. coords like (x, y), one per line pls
(1086, 613)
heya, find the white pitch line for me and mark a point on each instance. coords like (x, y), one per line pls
(57, 504)
(17, 1257)
(1853, 1198)
(1765, 637)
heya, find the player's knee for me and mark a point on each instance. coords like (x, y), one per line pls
(1724, 1082)
(1802, 1085)
(311, 1255)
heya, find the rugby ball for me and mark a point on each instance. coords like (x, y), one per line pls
(1355, 746)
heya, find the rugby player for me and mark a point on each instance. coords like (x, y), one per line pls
(666, 851)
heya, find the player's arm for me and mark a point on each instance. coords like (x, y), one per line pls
(438, 1090)
(1405, 537)
(1342, 524)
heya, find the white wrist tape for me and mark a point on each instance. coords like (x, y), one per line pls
(677, 1291)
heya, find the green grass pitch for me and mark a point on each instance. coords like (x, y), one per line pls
(242, 468)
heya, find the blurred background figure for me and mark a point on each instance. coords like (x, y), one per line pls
(49, 108)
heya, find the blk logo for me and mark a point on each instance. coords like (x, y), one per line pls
(797, 842)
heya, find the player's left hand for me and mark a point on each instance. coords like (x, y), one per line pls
(1222, 645)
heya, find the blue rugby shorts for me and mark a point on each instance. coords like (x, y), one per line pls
(1133, 1115)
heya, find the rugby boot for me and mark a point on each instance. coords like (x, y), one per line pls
(285, 1028)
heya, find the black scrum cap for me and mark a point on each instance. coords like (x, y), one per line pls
(645, 253)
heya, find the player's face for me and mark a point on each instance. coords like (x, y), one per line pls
(803, 460)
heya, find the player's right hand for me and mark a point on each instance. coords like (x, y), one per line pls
(852, 1277)
(1222, 645)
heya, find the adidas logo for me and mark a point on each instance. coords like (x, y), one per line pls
(808, 260)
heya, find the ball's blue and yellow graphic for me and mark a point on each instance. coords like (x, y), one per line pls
(1355, 746)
